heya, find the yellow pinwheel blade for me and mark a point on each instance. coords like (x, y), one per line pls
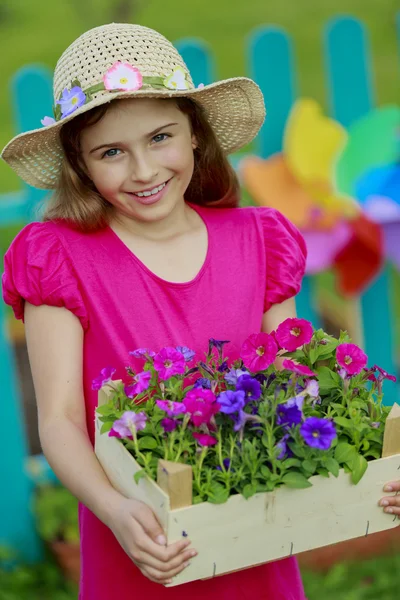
(312, 142)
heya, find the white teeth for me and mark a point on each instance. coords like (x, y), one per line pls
(152, 192)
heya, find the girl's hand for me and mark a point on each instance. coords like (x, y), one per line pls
(141, 536)
(392, 503)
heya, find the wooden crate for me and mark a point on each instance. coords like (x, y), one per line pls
(268, 526)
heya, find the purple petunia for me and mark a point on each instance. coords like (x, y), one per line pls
(233, 376)
(288, 414)
(143, 353)
(203, 382)
(231, 402)
(104, 377)
(188, 354)
(169, 425)
(283, 447)
(71, 100)
(318, 433)
(122, 427)
(142, 382)
(250, 386)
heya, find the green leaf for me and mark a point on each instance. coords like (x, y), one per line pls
(291, 462)
(265, 472)
(327, 379)
(139, 475)
(296, 480)
(218, 493)
(249, 490)
(333, 466)
(147, 443)
(105, 410)
(323, 472)
(309, 465)
(359, 466)
(345, 453)
(106, 427)
(344, 422)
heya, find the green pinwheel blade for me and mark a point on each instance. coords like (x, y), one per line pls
(373, 141)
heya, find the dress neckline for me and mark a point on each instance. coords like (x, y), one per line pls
(127, 251)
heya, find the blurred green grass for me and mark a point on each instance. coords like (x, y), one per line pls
(34, 31)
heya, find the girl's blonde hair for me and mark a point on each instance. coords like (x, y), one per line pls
(76, 200)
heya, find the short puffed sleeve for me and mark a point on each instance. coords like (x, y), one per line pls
(38, 270)
(286, 254)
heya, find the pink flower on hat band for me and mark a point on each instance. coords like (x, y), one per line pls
(122, 76)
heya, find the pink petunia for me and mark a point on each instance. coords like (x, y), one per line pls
(142, 382)
(123, 76)
(205, 440)
(169, 362)
(293, 333)
(201, 404)
(173, 409)
(259, 352)
(290, 365)
(351, 358)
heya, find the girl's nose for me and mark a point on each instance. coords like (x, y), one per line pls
(144, 169)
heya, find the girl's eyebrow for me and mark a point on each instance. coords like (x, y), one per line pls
(116, 144)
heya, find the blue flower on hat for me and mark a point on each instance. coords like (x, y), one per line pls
(71, 100)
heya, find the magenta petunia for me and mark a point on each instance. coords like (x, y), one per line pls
(142, 382)
(259, 352)
(169, 362)
(293, 333)
(122, 427)
(104, 377)
(201, 404)
(173, 409)
(205, 440)
(351, 358)
(290, 365)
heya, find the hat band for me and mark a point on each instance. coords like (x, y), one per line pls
(122, 76)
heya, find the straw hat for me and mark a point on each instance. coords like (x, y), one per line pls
(123, 61)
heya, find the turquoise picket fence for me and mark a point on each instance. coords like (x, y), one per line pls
(271, 62)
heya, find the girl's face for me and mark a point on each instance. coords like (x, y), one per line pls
(140, 157)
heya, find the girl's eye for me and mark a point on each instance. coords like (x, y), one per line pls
(160, 137)
(110, 153)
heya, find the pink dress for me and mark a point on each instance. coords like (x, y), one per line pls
(255, 259)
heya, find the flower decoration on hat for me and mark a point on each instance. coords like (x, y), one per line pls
(71, 100)
(122, 76)
(177, 80)
(46, 121)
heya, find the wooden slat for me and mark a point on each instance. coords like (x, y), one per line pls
(176, 479)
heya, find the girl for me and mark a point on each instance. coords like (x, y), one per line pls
(132, 253)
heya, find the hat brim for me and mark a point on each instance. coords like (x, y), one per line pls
(234, 107)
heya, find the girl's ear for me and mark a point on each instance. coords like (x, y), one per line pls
(194, 142)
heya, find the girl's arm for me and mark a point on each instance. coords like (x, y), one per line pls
(55, 346)
(278, 313)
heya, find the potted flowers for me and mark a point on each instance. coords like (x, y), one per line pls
(56, 512)
(227, 444)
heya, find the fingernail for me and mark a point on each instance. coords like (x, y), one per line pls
(186, 564)
(162, 540)
(389, 510)
(168, 582)
(384, 503)
(388, 488)
(193, 553)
